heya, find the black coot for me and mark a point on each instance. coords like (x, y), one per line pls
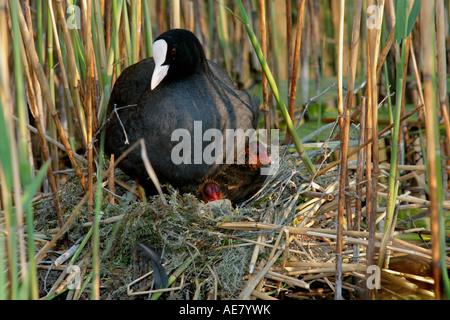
(176, 91)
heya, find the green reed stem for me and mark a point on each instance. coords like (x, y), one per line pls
(127, 32)
(27, 200)
(15, 213)
(3, 266)
(40, 49)
(20, 95)
(281, 106)
(148, 29)
(117, 15)
(9, 235)
(404, 23)
(96, 224)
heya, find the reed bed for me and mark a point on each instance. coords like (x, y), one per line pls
(357, 210)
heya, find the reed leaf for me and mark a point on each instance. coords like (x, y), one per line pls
(148, 29)
(265, 67)
(96, 232)
(127, 32)
(401, 36)
(412, 17)
(29, 191)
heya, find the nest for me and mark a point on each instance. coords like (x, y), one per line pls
(280, 244)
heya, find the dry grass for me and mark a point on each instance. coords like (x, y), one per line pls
(280, 244)
(311, 232)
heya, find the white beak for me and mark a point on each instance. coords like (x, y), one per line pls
(159, 56)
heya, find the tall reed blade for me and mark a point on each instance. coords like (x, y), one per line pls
(440, 273)
(20, 168)
(403, 27)
(265, 67)
(292, 90)
(344, 123)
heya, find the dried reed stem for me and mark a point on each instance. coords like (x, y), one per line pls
(41, 254)
(360, 170)
(373, 42)
(74, 76)
(264, 82)
(353, 152)
(427, 28)
(442, 75)
(351, 236)
(45, 154)
(34, 59)
(255, 279)
(175, 14)
(295, 63)
(344, 124)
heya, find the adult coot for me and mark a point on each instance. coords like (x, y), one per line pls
(171, 99)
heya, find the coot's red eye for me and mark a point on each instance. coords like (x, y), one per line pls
(173, 51)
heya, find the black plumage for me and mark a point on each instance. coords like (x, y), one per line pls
(194, 89)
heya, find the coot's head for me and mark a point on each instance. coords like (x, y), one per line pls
(210, 191)
(177, 54)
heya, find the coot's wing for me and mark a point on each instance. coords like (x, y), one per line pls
(178, 107)
(250, 102)
(128, 88)
(131, 84)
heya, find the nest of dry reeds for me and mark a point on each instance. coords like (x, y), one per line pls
(280, 244)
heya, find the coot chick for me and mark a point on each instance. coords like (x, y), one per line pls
(210, 191)
(257, 155)
(242, 179)
(169, 93)
(237, 181)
